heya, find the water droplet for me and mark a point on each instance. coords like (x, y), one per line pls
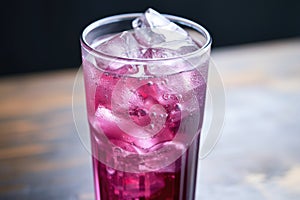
(179, 96)
(110, 170)
(164, 82)
(152, 126)
(163, 115)
(153, 114)
(177, 106)
(166, 96)
(117, 150)
(150, 83)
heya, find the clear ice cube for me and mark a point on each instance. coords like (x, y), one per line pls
(153, 36)
(153, 19)
(155, 31)
(121, 45)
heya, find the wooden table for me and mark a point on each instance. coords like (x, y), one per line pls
(41, 156)
(257, 157)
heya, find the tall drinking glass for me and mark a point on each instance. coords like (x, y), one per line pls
(145, 114)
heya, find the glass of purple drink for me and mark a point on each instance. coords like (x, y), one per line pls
(145, 82)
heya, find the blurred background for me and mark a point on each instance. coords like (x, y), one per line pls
(44, 35)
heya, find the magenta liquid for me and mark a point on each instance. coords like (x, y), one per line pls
(119, 116)
(168, 185)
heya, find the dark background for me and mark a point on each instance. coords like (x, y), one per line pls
(38, 35)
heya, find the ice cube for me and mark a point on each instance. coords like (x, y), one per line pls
(154, 36)
(121, 45)
(152, 30)
(153, 19)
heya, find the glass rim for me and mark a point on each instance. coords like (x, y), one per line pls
(121, 17)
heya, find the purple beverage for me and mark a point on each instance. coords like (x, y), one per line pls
(145, 93)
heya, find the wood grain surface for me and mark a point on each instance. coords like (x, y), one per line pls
(41, 156)
(257, 157)
(258, 154)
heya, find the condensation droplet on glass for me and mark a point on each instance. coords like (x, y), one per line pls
(117, 150)
(153, 114)
(177, 106)
(110, 170)
(152, 126)
(163, 115)
(166, 96)
(164, 82)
